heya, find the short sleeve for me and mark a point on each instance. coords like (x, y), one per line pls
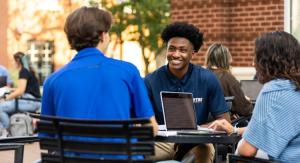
(141, 103)
(47, 99)
(266, 130)
(24, 74)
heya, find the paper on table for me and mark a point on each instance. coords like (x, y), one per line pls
(3, 90)
(166, 133)
(204, 128)
(162, 127)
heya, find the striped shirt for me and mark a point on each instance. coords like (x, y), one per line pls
(275, 124)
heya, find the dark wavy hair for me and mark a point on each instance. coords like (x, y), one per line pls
(84, 26)
(188, 31)
(277, 56)
(21, 58)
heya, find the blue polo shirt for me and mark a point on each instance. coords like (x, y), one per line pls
(206, 89)
(4, 72)
(93, 86)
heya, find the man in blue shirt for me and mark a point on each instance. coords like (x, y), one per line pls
(5, 76)
(179, 75)
(93, 86)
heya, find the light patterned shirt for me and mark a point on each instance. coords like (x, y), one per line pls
(275, 124)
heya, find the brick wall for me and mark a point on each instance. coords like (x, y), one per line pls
(234, 23)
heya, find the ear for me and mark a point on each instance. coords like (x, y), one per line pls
(194, 53)
(101, 37)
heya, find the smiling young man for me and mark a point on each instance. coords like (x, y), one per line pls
(179, 75)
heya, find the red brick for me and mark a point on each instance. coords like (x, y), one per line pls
(260, 19)
(272, 8)
(235, 24)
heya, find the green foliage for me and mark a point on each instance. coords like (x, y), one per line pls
(148, 16)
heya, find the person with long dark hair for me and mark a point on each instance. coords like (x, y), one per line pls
(27, 87)
(274, 126)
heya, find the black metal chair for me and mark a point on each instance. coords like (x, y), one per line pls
(23, 98)
(59, 145)
(16, 144)
(229, 100)
(17, 147)
(242, 159)
(223, 148)
(241, 121)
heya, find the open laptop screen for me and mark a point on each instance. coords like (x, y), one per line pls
(251, 88)
(178, 110)
(3, 81)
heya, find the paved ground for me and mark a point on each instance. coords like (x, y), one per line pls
(31, 154)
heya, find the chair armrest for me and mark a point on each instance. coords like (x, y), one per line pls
(242, 159)
(241, 121)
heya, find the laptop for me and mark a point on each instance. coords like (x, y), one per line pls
(3, 81)
(179, 114)
(251, 88)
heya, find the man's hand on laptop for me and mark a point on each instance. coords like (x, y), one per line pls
(221, 125)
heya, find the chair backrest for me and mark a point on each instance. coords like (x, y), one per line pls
(241, 159)
(229, 100)
(75, 140)
(23, 98)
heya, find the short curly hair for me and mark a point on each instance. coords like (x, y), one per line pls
(277, 56)
(181, 29)
(84, 26)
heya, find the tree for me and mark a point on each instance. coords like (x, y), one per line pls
(148, 17)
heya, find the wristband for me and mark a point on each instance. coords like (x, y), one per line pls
(235, 130)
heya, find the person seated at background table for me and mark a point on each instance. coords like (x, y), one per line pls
(274, 126)
(179, 75)
(28, 87)
(4, 73)
(93, 86)
(218, 60)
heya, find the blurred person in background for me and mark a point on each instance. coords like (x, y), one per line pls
(218, 60)
(27, 87)
(4, 73)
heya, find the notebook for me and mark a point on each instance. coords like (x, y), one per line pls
(179, 114)
(251, 88)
